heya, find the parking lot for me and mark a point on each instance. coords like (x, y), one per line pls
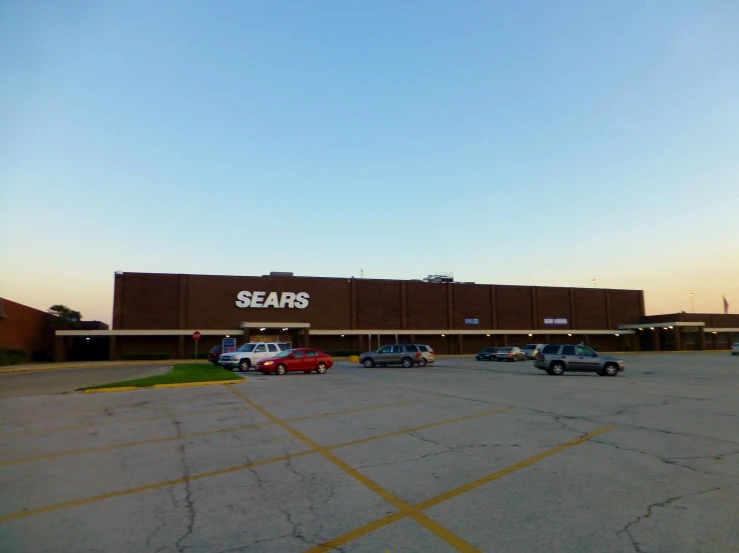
(457, 456)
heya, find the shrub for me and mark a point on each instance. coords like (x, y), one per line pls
(344, 352)
(144, 356)
(12, 356)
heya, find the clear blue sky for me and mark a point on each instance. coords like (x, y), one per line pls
(544, 143)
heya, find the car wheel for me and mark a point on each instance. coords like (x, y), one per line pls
(321, 368)
(611, 369)
(307, 372)
(557, 368)
(407, 362)
(369, 363)
(422, 362)
(280, 369)
(244, 365)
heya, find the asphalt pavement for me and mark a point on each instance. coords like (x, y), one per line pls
(459, 456)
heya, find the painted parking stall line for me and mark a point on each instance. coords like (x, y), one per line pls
(74, 503)
(413, 511)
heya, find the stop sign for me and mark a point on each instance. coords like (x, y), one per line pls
(196, 335)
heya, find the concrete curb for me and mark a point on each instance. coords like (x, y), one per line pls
(161, 386)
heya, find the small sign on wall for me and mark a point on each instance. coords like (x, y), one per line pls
(555, 321)
(228, 345)
(472, 321)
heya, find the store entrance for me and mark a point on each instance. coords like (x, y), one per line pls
(271, 337)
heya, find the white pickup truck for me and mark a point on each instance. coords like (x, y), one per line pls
(247, 355)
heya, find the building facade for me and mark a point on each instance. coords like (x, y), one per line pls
(158, 313)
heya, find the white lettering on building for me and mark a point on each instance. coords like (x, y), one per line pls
(278, 300)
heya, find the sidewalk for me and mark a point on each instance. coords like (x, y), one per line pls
(91, 365)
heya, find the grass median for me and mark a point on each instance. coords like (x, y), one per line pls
(180, 374)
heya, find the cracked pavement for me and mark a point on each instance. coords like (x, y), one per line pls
(665, 479)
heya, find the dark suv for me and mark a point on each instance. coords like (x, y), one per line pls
(555, 359)
(406, 355)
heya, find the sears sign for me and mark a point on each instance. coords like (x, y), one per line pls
(278, 300)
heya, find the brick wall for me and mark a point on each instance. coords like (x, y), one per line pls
(162, 301)
(25, 328)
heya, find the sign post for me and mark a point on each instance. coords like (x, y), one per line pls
(196, 336)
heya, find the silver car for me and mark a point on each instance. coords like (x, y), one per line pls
(406, 355)
(555, 359)
(531, 350)
(427, 352)
(509, 354)
(735, 349)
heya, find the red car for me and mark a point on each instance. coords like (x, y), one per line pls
(214, 354)
(300, 359)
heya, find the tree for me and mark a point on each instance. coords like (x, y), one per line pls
(64, 316)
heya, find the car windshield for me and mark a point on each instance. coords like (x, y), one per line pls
(284, 353)
(529, 346)
(247, 347)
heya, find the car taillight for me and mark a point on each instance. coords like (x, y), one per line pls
(541, 357)
(418, 354)
(431, 353)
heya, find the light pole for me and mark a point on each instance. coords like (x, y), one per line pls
(692, 301)
(595, 282)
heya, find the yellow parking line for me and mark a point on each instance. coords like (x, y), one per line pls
(432, 526)
(206, 433)
(416, 509)
(422, 427)
(108, 423)
(125, 408)
(32, 512)
(77, 502)
(95, 425)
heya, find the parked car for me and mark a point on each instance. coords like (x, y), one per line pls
(555, 359)
(735, 349)
(509, 354)
(427, 352)
(486, 354)
(249, 354)
(531, 350)
(293, 360)
(214, 354)
(406, 355)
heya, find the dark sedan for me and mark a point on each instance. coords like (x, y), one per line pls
(486, 354)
